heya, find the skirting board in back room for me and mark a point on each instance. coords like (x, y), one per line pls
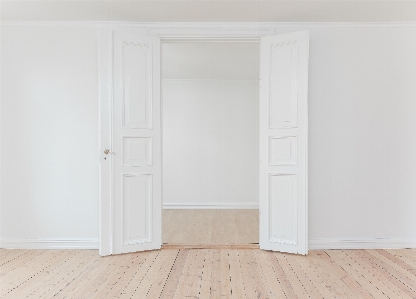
(314, 244)
(212, 205)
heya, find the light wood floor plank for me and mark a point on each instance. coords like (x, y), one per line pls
(216, 275)
(236, 282)
(330, 279)
(42, 283)
(281, 276)
(28, 272)
(405, 258)
(170, 287)
(122, 278)
(17, 261)
(313, 281)
(10, 255)
(262, 288)
(398, 262)
(225, 274)
(360, 276)
(402, 278)
(97, 275)
(305, 277)
(342, 273)
(248, 275)
(391, 289)
(156, 273)
(374, 280)
(183, 278)
(197, 272)
(275, 288)
(138, 279)
(66, 279)
(206, 276)
(410, 252)
(292, 276)
(187, 283)
(209, 273)
(104, 277)
(158, 281)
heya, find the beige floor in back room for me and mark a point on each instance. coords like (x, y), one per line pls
(183, 226)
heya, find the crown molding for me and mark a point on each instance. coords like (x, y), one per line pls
(207, 25)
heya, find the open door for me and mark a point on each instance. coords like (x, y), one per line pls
(284, 142)
(134, 148)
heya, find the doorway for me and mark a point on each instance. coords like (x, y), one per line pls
(210, 141)
(131, 137)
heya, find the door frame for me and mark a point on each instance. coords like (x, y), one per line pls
(183, 32)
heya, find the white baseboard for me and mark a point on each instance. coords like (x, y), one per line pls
(16, 243)
(378, 243)
(212, 205)
(314, 244)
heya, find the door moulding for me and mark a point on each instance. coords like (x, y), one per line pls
(178, 32)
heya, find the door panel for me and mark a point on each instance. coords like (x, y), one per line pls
(284, 142)
(136, 143)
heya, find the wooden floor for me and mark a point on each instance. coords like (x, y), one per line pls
(210, 226)
(207, 273)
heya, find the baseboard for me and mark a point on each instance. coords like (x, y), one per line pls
(214, 205)
(314, 244)
(16, 243)
(378, 243)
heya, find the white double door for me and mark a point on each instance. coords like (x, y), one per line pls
(131, 169)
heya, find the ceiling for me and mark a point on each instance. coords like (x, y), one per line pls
(210, 11)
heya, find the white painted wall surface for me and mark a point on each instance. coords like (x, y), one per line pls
(362, 137)
(210, 124)
(49, 134)
(210, 143)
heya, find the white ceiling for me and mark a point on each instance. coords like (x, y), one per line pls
(210, 11)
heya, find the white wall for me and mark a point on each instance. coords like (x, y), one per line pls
(362, 135)
(210, 124)
(362, 138)
(210, 144)
(49, 134)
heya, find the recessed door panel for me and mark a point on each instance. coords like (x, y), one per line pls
(137, 151)
(137, 213)
(283, 150)
(283, 85)
(283, 210)
(136, 80)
